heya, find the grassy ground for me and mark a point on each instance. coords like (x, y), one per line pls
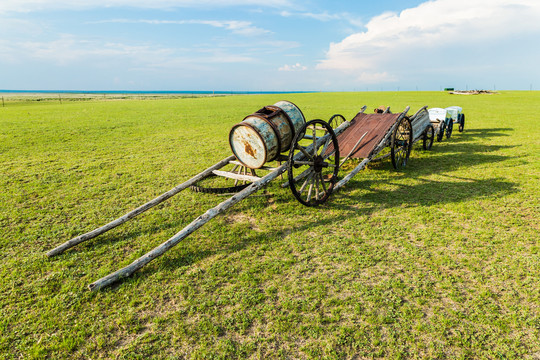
(439, 261)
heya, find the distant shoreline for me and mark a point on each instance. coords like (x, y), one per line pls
(156, 92)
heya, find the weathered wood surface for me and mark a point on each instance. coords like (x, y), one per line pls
(92, 234)
(353, 149)
(235, 176)
(382, 157)
(420, 121)
(200, 221)
(269, 168)
(381, 145)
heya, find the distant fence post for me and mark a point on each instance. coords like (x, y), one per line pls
(60, 98)
(3, 104)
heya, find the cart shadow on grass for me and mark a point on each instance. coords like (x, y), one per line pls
(452, 156)
(476, 134)
(350, 206)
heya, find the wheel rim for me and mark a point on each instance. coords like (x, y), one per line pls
(220, 185)
(440, 134)
(401, 143)
(336, 120)
(449, 130)
(313, 175)
(429, 134)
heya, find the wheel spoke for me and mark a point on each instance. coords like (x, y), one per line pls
(314, 140)
(316, 187)
(233, 170)
(305, 183)
(304, 151)
(322, 182)
(326, 144)
(303, 175)
(332, 153)
(310, 190)
(309, 163)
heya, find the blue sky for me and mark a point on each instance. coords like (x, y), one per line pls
(269, 45)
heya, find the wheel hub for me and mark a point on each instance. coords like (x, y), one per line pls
(319, 163)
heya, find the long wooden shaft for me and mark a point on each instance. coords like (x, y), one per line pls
(350, 175)
(382, 157)
(92, 234)
(200, 221)
(194, 225)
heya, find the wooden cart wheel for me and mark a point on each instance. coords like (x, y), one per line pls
(449, 129)
(400, 147)
(429, 135)
(440, 134)
(462, 123)
(219, 185)
(336, 120)
(312, 176)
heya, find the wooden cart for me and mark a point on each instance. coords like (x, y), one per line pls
(442, 122)
(423, 128)
(457, 116)
(314, 157)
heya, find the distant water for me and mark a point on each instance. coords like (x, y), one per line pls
(157, 92)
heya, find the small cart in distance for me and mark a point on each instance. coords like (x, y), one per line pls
(422, 128)
(457, 116)
(441, 122)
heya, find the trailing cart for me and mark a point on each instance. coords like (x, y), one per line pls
(442, 122)
(457, 116)
(423, 128)
(259, 143)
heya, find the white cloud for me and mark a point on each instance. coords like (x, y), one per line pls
(324, 16)
(69, 49)
(245, 28)
(295, 67)
(430, 31)
(38, 5)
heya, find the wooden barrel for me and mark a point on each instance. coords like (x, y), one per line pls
(294, 113)
(253, 142)
(263, 135)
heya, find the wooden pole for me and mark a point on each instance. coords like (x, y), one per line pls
(194, 225)
(3, 104)
(200, 221)
(92, 234)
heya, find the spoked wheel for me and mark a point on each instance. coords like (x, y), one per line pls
(400, 147)
(214, 184)
(440, 134)
(429, 135)
(336, 120)
(462, 123)
(449, 129)
(313, 171)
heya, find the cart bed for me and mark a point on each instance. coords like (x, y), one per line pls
(376, 126)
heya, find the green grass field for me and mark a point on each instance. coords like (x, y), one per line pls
(439, 261)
